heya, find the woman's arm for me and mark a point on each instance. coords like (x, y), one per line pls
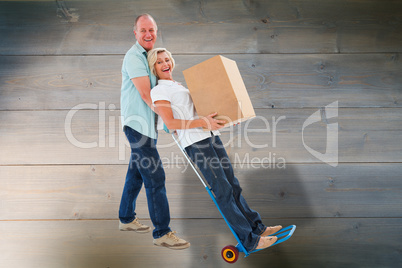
(166, 112)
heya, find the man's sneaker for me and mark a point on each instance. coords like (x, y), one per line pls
(135, 225)
(271, 230)
(266, 241)
(170, 240)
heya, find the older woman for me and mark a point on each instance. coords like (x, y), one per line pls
(205, 148)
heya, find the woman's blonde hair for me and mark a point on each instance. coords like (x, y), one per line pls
(153, 56)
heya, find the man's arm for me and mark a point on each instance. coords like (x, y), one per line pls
(143, 85)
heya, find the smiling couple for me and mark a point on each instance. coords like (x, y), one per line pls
(142, 66)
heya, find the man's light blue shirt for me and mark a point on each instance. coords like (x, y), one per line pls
(135, 113)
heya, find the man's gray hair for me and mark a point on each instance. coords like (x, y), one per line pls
(144, 15)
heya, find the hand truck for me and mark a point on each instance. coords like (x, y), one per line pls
(230, 253)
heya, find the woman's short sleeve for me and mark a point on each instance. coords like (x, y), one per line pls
(160, 93)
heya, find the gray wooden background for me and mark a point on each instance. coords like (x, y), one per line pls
(63, 157)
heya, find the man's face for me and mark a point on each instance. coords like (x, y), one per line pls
(146, 33)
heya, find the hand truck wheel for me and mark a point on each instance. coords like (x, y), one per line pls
(230, 254)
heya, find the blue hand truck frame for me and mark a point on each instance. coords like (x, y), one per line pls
(231, 253)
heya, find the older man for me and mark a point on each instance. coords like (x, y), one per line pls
(138, 120)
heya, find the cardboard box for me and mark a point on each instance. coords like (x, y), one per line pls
(216, 85)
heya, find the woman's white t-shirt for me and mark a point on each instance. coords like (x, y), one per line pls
(182, 107)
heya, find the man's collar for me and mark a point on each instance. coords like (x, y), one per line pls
(140, 48)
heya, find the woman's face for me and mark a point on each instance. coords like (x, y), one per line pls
(163, 66)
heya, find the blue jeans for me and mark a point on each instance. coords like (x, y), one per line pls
(211, 158)
(145, 167)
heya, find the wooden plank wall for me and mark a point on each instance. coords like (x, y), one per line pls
(63, 157)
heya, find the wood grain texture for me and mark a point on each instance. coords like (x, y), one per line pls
(95, 137)
(332, 243)
(281, 81)
(60, 190)
(297, 191)
(101, 27)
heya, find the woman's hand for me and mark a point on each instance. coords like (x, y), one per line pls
(213, 124)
